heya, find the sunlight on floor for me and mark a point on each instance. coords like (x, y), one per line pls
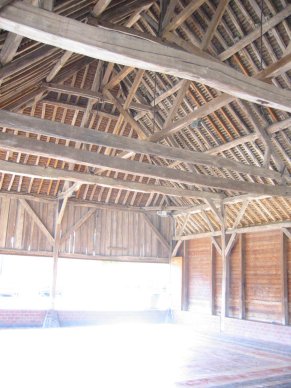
(125, 355)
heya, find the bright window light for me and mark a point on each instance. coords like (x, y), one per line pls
(25, 283)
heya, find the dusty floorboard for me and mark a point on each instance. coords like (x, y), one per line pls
(139, 356)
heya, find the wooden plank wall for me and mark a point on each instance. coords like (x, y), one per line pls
(112, 234)
(18, 231)
(262, 282)
(289, 275)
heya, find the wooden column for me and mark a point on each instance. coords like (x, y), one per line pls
(284, 278)
(176, 283)
(4, 216)
(55, 269)
(225, 274)
(59, 216)
(185, 278)
(212, 280)
(242, 305)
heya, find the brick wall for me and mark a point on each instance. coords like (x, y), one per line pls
(239, 328)
(35, 318)
(21, 318)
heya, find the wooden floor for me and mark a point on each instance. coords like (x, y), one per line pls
(137, 356)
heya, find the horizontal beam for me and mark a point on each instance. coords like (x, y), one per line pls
(71, 155)
(84, 135)
(63, 255)
(248, 229)
(83, 178)
(227, 201)
(131, 50)
(86, 203)
(90, 94)
(142, 259)
(220, 101)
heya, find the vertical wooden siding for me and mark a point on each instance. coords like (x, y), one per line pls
(18, 231)
(108, 233)
(263, 287)
(113, 233)
(263, 277)
(199, 275)
(289, 275)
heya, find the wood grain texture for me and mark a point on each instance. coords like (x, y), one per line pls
(259, 285)
(101, 44)
(85, 233)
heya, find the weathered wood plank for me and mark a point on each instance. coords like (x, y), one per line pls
(5, 204)
(225, 274)
(284, 278)
(222, 5)
(185, 279)
(279, 17)
(9, 48)
(122, 258)
(37, 220)
(57, 67)
(78, 177)
(118, 77)
(183, 15)
(26, 61)
(100, 7)
(178, 101)
(212, 280)
(48, 128)
(248, 229)
(91, 95)
(87, 158)
(242, 301)
(157, 233)
(78, 224)
(100, 43)
(169, 14)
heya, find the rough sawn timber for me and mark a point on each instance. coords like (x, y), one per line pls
(87, 158)
(125, 49)
(84, 135)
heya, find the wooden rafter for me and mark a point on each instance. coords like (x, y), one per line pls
(87, 158)
(183, 15)
(45, 127)
(222, 5)
(248, 229)
(91, 94)
(101, 45)
(100, 7)
(83, 178)
(279, 17)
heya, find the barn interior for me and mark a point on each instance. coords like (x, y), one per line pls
(145, 178)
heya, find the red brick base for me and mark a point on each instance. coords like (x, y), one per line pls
(203, 323)
(35, 318)
(252, 330)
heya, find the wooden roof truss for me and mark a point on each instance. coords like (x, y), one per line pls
(176, 105)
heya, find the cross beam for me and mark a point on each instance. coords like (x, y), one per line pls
(131, 50)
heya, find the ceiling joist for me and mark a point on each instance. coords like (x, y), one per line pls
(101, 43)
